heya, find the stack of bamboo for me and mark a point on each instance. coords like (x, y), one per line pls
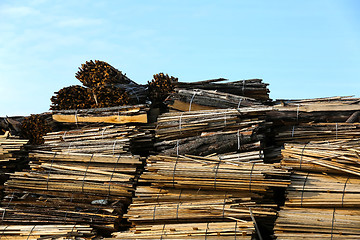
(211, 131)
(323, 199)
(203, 191)
(71, 188)
(252, 88)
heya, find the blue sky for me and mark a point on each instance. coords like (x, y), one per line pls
(303, 49)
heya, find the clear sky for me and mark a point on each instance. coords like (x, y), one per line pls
(302, 48)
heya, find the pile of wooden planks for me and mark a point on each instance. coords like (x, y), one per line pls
(200, 99)
(331, 109)
(223, 191)
(107, 139)
(252, 88)
(211, 230)
(323, 199)
(306, 132)
(12, 155)
(301, 121)
(318, 223)
(117, 115)
(339, 156)
(35, 232)
(323, 190)
(210, 131)
(71, 188)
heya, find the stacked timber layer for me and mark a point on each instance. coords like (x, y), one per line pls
(108, 140)
(211, 131)
(116, 115)
(251, 88)
(11, 156)
(79, 177)
(332, 109)
(204, 191)
(211, 94)
(323, 199)
(71, 188)
(301, 121)
(35, 232)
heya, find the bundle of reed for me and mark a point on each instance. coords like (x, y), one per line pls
(333, 109)
(336, 156)
(323, 190)
(108, 139)
(306, 132)
(118, 115)
(209, 230)
(100, 73)
(199, 99)
(73, 188)
(318, 223)
(210, 131)
(35, 232)
(252, 88)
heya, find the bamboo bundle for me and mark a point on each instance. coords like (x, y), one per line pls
(34, 232)
(73, 188)
(318, 223)
(337, 156)
(333, 109)
(209, 230)
(319, 190)
(252, 88)
(199, 99)
(118, 115)
(209, 131)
